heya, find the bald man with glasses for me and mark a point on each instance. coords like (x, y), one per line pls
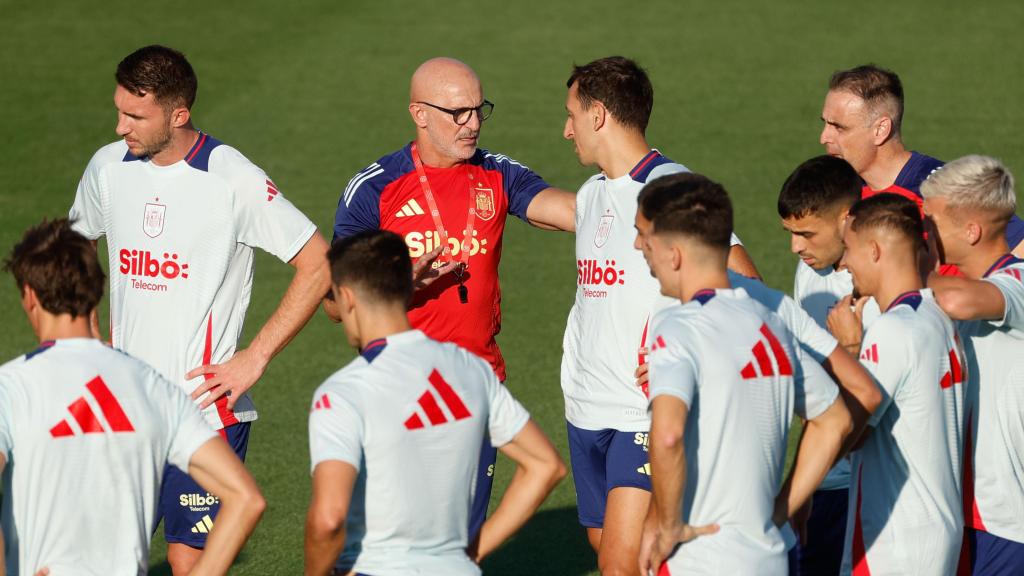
(449, 200)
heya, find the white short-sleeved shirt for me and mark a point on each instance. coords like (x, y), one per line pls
(86, 432)
(410, 414)
(905, 515)
(817, 292)
(180, 242)
(742, 376)
(615, 298)
(994, 457)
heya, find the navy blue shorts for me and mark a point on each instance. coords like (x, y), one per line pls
(989, 555)
(602, 460)
(188, 511)
(826, 536)
(484, 483)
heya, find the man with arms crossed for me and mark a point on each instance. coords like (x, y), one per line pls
(79, 418)
(449, 200)
(182, 212)
(726, 378)
(394, 436)
(904, 508)
(970, 201)
(863, 117)
(609, 104)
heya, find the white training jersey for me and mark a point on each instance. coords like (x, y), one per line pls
(180, 242)
(994, 456)
(410, 414)
(615, 298)
(86, 432)
(742, 376)
(904, 513)
(817, 292)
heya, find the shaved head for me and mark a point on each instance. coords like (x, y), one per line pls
(439, 86)
(441, 78)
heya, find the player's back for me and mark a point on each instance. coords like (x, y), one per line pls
(905, 515)
(87, 432)
(418, 410)
(744, 361)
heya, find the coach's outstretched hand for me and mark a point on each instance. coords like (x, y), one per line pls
(232, 378)
(423, 271)
(658, 543)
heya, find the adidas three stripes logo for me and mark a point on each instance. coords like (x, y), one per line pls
(87, 420)
(432, 410)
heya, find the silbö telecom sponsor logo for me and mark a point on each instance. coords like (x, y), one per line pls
(198, 502)
(594, 277)
(145, 265)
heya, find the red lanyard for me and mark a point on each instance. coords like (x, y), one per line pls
(467, 240)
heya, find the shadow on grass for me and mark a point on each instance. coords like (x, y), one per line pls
(552, 542)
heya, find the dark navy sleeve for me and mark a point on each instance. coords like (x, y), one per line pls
(1014, 232)
(359, 205)
(521, 183)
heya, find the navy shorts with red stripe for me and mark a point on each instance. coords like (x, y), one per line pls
(188, 511)
(602, 460)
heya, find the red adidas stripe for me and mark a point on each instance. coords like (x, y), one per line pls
(62, 429)
(785, 368)
(761, 355)
(859, 554)
(111, 408)
(85, 417)
(459, 410)
(433, 411)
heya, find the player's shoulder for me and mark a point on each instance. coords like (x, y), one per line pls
(111, 154)
(371, 180)
(494, 161)
(348, 381)
(898, 323)
(917, 170)
(1007, 266)
(769, 297)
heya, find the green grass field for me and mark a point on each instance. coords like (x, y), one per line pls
(314, 91)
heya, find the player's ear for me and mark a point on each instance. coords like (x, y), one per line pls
(883, 129)
(973, 232)
(419, 115)
(180, 117)
(599, 114)
(346, 299)
(876, 251)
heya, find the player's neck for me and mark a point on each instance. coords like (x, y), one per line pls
(706, 278)
(891, 159)
(380, 322)
(56, 327)
(624, 150)
(182, 140)
(898, 281)
(983, 256)
(431, 156)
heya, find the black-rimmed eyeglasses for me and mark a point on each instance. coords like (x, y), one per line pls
(462, 115)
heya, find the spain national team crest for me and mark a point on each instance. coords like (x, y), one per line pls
(484, 200)
(604, 229)
(153, 219)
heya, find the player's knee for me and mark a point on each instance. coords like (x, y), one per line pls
(617, 563)
(182, 558)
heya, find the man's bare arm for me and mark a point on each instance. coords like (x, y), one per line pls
(741, 263)
(966, 299)
(553, 209)
(333, 482)
(309, 284)
(819, 446)
(538, 469)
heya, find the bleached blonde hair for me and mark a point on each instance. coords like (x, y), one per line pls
(974, 182)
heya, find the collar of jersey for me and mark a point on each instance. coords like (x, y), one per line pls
(1003, 261)
(373, 348)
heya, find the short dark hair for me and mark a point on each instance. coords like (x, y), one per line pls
(376, 262)
(822, 185)
(875, 85)
(618, 83)
(889, 212)
(60, 265)
(691, 205)
(161, 71)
